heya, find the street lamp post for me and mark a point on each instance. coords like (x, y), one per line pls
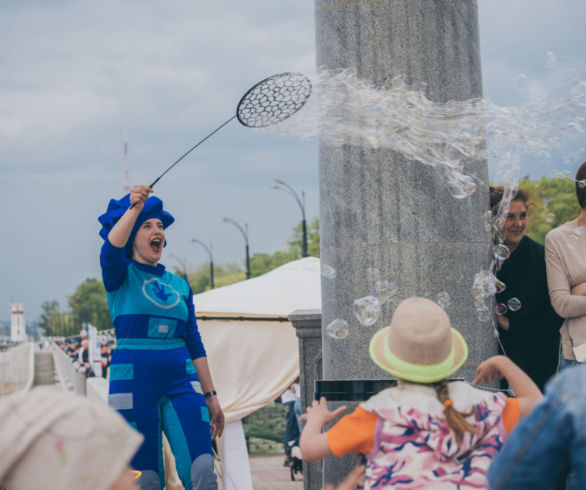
(209, 251)
(182, 264)
(244, 232)
(283, 186)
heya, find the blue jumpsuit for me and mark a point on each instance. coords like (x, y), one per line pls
(153, 383)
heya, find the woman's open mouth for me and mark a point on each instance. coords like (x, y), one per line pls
(156, 245)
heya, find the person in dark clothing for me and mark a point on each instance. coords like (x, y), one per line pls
(292, 432)
(528, 325)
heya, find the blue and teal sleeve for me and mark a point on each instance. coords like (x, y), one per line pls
(114, 265)
(192, 337)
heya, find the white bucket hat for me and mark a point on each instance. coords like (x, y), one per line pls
(52, 439)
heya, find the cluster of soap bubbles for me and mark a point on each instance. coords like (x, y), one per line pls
(484, 287)
(449, 136)
(368, 309)
(452, 137)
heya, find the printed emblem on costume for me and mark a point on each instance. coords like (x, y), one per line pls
(161, 294)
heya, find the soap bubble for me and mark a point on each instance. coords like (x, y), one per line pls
(367, 310)
(443, 299)
(495, 332)
(461, 186)
(327, 271)
(450, 136)
(501, 308)
(500, 286)
(479, 302)
(483, 314)
(514, 304)
(484, 284)
(501, 251)
(338, 329)
(384, 290)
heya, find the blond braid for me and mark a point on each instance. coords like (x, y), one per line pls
(455, 419)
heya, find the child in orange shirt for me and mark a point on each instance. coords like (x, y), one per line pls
(424, 433)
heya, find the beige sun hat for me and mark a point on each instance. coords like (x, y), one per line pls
(420, 345)
(52, 439)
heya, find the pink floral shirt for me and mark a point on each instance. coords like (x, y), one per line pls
(411, 446)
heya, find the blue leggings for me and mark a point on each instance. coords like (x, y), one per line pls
(158, 390)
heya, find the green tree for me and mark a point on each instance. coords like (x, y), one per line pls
(552, 201)
(64, 324)
(228, 274)
(296, 241)
(200, 279)
(262, 263)
(223, 276)
(89, 305)
(46, 322)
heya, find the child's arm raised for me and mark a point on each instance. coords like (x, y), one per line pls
(525, 389)
(314, 443)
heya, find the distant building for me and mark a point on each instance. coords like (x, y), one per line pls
(17, 325)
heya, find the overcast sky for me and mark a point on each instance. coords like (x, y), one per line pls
(77, 74)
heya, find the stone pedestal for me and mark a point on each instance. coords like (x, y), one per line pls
(307, 324)
(379, 210)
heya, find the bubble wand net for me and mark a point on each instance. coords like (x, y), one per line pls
(269, 102)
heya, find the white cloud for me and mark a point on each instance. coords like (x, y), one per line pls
(76, 75)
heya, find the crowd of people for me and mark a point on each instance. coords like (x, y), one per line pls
(77, 348)
(426, 432)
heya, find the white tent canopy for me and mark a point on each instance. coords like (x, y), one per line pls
(252, 348)
(292, 286)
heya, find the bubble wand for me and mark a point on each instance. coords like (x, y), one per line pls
(269, 102)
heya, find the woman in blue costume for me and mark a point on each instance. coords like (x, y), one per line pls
(159, 375)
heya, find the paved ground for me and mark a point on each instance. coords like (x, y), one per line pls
(268, 473)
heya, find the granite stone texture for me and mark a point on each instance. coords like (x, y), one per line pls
(380, 210)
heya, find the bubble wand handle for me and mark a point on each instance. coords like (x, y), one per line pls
(269, 102)
(188, 152)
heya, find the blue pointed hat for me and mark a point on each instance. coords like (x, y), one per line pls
(153, 208)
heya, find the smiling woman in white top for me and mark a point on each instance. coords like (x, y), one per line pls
(565, 256)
